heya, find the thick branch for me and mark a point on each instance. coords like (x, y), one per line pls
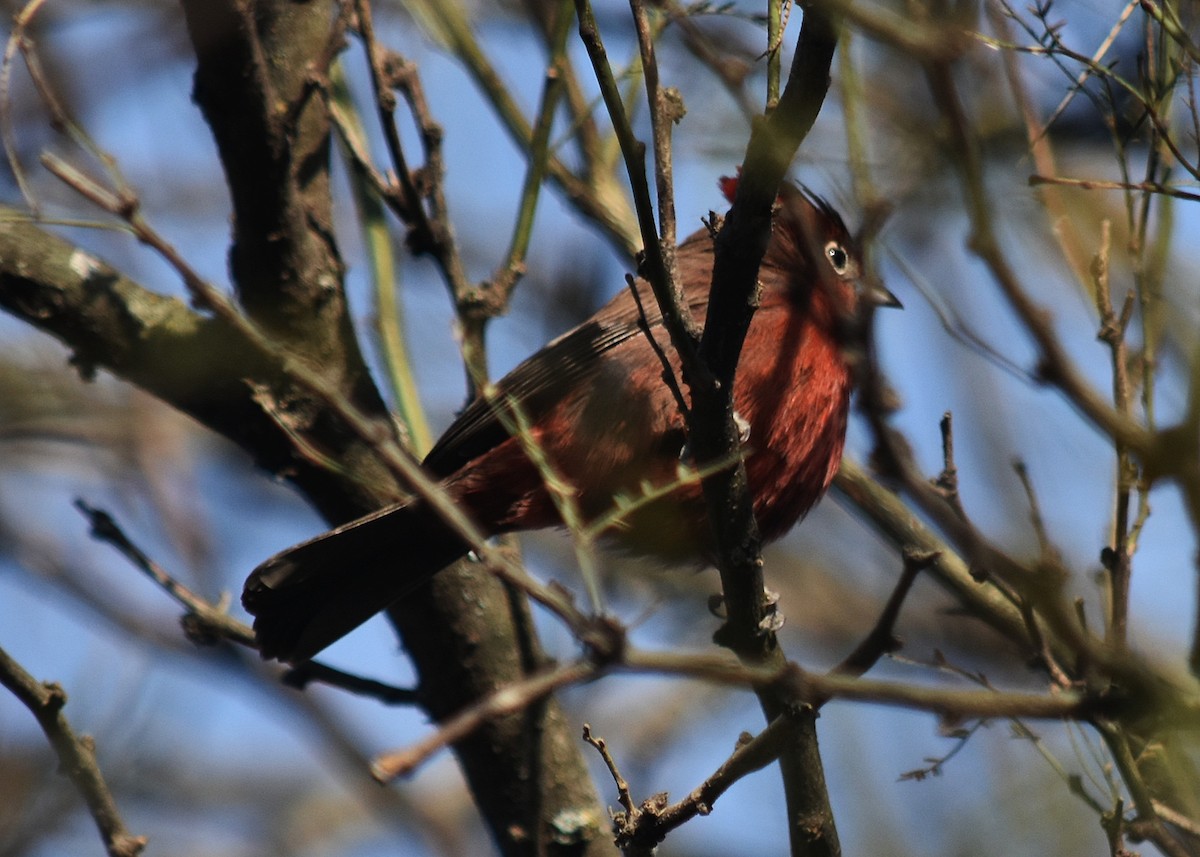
(740, 246)
(196, 364)
(252, 84)
(465, 633)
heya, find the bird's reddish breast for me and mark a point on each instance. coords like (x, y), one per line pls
(793, 387)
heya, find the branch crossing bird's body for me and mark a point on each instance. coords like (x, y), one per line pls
(599, 410)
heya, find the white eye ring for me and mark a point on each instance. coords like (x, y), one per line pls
(838, 258)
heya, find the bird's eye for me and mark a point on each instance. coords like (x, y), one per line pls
(838, 257)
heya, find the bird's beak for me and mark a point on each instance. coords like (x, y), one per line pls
(877, 295)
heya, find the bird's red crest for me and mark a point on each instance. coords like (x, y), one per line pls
(728, 185)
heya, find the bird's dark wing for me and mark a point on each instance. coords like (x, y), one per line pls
(539, 382)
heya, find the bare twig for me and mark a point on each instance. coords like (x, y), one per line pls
(1096, 58)
(646, 826)
(666, 109)
(1099, 184)
(215, 622)
(370, 203)
(504, 701)
(302, 675)
(76, 755)
(935, 766)
(731, 70)
(1035, 511)
(1171, 25)
(1055, 366)
(1117, 559)
(947, 480)
(1147, 824)
(778, 12)
(949, 703)
(205, 622)
(623, 795)
(668, 374)
(882, 639)
(430, 231)
(680, 324)
(596, 194)
(498, 290)
(18, 41)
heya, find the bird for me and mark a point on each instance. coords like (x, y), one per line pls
(595, 403)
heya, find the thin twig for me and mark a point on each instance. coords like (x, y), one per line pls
(388, 322)
(1055, 366)
(596, 196)
(430, 231)
(668, 374)
(498, 290)
(205, 622)
(1096, 58)
(601, 746)
(76, 755)
(648, 825)
(215, 620)
(1035, 509)
(882, 639)
(16, 41)
(1117, 559)
(947, 481)
(302, 675)
(505, 701)
(681, 326)
(1099, 184)
(666, 110)
(731, 70)
(1148, 824)
(1040, 148)
(778, 12)
(949, 703)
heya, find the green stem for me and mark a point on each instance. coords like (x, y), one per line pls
(389, 317)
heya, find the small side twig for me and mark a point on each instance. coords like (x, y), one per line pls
(505, 701)
(935, 764)
(623, 795)
(666, 109)
(205, 622)
(882, 639)
(76, 755)
(1147, 825)
(657, 268)
(1118, 557)
(668, 375)
(213, 622)
(1055, 366)
(1098, 184)
(1035, 509)
(648, 825)
(300, 676)
(947, 481)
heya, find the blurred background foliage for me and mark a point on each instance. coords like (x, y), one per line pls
(207, 755)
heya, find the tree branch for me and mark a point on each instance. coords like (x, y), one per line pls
(714, 436)
(76, 755)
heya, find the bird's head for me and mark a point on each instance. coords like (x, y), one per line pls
(813, 257)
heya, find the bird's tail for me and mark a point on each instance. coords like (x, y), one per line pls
(308, 596)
